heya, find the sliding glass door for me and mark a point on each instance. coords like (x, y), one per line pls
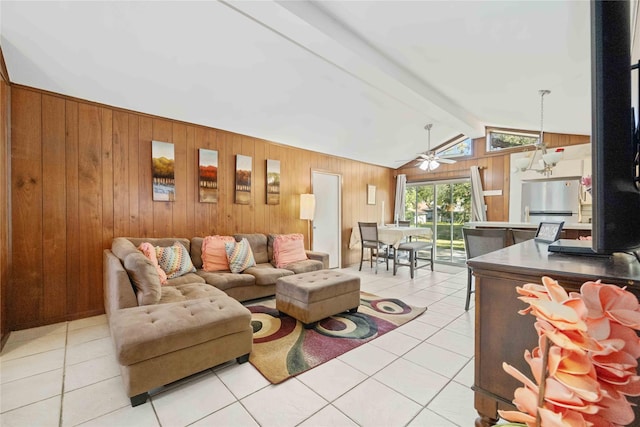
(443, 206)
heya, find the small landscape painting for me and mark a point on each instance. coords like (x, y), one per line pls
(273, 182)
(162, 171)
(243, 179)
(208, 175)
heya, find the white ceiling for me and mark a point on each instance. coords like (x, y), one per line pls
(356, 79)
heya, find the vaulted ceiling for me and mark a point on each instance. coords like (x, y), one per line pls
(356, 79)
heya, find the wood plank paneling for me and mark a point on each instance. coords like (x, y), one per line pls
(54, 238)
(81, 175)
(26, 285)
(5, 191)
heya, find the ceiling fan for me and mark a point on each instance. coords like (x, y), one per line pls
(429, 160)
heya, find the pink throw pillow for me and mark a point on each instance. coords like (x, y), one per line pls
(288, 248)
(214, 255)
(150, 252)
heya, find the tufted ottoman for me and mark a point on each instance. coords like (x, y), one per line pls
(315, 295)
(161, 343)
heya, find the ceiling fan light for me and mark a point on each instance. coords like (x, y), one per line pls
(433, 165)
(424, 165)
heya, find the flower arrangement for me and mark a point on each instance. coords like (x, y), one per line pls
(586, 360)
(586, 183)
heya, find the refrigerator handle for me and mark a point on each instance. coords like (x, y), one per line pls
(526, 213)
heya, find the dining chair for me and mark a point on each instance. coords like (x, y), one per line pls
(369, 239)
(520, 236)
(480, 241)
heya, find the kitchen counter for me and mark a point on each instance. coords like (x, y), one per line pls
(524, 225)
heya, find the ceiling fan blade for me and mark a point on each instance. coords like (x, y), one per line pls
(446, 161)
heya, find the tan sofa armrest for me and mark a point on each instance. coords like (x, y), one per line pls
(319, 256)
(118, 291)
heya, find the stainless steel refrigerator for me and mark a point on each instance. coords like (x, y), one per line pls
(551, 200)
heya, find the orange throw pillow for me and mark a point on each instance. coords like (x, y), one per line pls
(214, 256)
(288, 248)
(150, 252)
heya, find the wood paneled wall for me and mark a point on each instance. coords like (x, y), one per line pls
(495, 170)
(81, 175)
(5, 96)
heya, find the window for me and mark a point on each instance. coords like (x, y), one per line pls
(459, 147)
(499, 139)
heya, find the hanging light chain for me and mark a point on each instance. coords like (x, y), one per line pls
(542, 92)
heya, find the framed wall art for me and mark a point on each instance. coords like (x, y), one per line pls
(162, 171)
(273, 182)
(371, 194)
(208, 175)
(243, 179)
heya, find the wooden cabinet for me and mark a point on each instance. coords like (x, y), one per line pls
(502, 335)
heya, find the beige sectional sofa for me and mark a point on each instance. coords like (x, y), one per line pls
(163, 333)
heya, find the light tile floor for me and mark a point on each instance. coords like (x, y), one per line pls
(417, 375)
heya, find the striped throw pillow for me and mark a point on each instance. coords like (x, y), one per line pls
(174, 260)
(239, 255)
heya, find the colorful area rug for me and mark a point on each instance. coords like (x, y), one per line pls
(283, 348)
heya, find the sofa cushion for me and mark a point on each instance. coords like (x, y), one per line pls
(121, 247)
(144, 277)
(189, 291)
(150, 252)
(185, 279)
(305, 266)
(214, 255)
(142, 333)
(267, 274)
(175, 260)
(239, 255)
(258, 243)
(226, 280)
(288, 248)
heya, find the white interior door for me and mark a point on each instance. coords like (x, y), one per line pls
(327, 188)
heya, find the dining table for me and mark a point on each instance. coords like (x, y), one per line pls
(391, 234)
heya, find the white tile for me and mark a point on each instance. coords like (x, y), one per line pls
(195, 399)
(453, 341)
(30, 389)
(466, 376)
(368, 358)
(31, 365)
(242, 379)
(88, 321)
(89, 350)
(328, 416)
(396, 342)
(332, 379)
(413, 381)
(374, 404)
(15, 349)
(45, 413)
(418, 329)
(92, 371)
(232, 416)
(140, 416)
(90, 333)
(464, 325)
(429, 418)
(285, 404)
(455, 403)
(93, 401)
(438, 320)
(437, 359)
(39, 332)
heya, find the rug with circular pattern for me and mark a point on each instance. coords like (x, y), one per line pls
(283, 348)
